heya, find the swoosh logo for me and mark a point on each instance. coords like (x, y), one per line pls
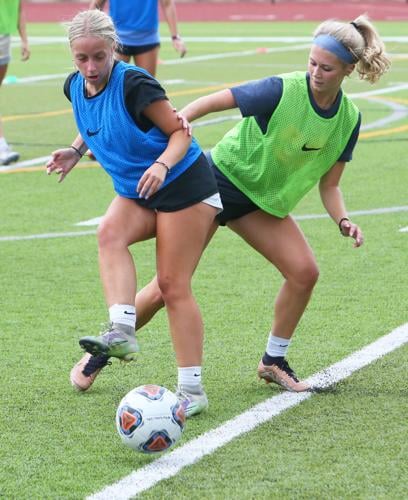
(305, 148)
(127, 312)
(90, 133)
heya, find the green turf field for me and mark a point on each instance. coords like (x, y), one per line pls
(350, 442)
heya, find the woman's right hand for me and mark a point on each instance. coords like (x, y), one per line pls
(62, 161)
(151, 180)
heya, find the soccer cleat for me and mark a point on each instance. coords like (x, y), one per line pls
(113, 343)
(280, 373)
(192, 403)
(84, 373)
(7, 156)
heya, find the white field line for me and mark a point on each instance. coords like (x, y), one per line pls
(375, 211)
(400, 111)
(43, 40)
(26, 163)
(173, 462)
(96, 220)
(404, 230)
(46, 236)
(223, 55)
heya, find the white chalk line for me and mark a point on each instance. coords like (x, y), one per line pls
(375, 211)
(43, 40)
(400, 111)
(96, 220)
(173, 462)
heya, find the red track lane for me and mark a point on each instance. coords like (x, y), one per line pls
(244, 11)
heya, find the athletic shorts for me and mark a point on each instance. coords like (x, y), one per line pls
(5, 49)
(135, 50)
(236, 204)
(194, 185)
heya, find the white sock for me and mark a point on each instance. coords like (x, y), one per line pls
(189, 376)
(123, 313)
(277, 346)
(3, 144)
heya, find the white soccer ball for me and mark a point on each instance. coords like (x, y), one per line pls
(150, 419)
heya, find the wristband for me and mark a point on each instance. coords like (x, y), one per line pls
(341, 221)
(77, 151)
(163, 164)
(176, 37)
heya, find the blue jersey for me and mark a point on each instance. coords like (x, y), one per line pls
(123, 149)
(136, 21)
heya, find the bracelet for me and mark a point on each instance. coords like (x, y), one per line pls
(341, 221)
(77, 151)
(176, 37)
(163, 164)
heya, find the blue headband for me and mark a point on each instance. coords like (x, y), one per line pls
(328, 42)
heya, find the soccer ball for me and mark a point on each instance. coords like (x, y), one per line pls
(150, 419)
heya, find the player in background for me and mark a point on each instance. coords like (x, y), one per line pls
(12, 20)
(165, 189)
(298, 129)
(137, 25)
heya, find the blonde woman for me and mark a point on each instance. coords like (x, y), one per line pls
(298, 130)
(164, 189)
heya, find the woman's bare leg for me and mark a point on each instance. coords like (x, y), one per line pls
(181, 238)
(282, 243)
(148, 60)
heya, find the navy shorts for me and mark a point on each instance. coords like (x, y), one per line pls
(236, 204)
(135, 50)
(194, 185)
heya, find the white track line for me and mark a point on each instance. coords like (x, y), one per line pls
(170, 464)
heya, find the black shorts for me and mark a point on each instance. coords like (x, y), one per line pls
(236, 204)
(194, 185)
(135, 50)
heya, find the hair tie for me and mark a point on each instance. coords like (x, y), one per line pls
(355, 25)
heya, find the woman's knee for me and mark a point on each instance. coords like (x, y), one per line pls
(108, 235)
(173, 289)
(306, 276)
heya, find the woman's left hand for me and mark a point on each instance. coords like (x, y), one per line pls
(178, 44)
(348, 228)
(151, 180)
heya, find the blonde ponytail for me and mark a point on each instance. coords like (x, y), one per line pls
(363, 41)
